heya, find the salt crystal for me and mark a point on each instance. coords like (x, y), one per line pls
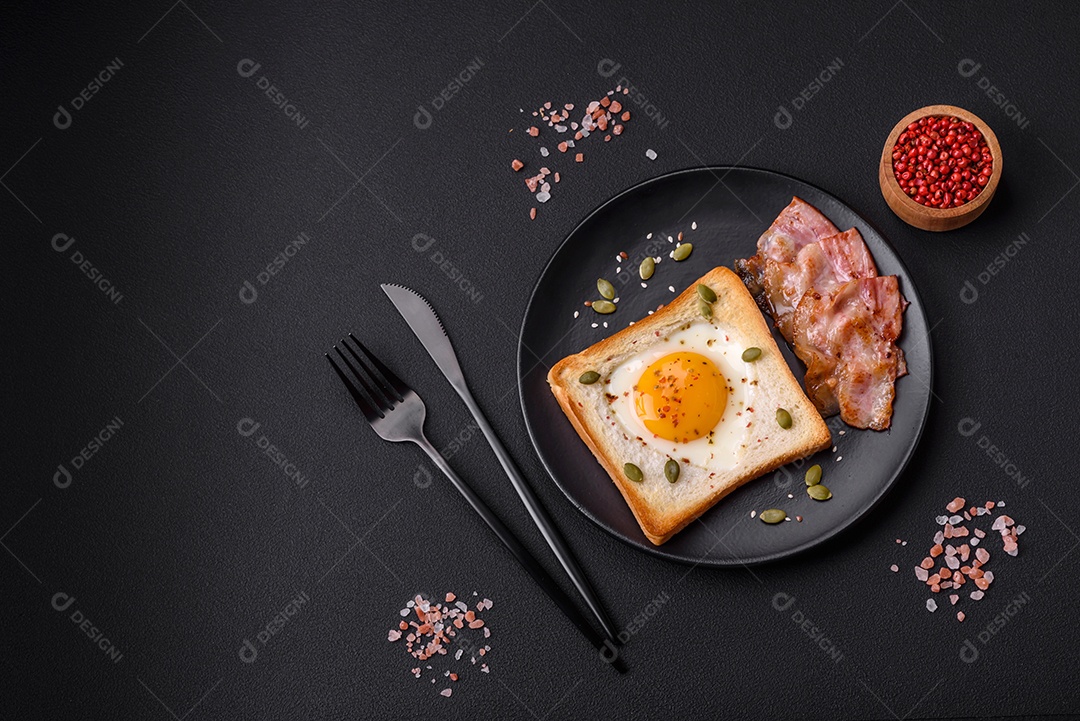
(543, 196)
(544, 151)
(941, 520)
(650, 154)
(560, 128)
(921, 573)
(955, 520)
(931, 605)
(457, 656)
(1020, 529)
(952, 562)
(894, 568)
(446, 691)
(954, 598)
(404, 612)
(976, 595)
(394, 635)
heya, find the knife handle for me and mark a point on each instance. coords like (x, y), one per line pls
(527, 561)
(539, 515)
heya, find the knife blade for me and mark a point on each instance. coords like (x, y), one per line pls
(424, 322)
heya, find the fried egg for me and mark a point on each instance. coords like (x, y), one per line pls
(687, 397)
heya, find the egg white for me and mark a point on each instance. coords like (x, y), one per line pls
(720, 450)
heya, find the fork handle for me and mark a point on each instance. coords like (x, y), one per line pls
(607, 651)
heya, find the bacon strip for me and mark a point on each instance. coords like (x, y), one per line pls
(848, 342)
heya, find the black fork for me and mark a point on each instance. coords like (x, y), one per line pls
(397, 414)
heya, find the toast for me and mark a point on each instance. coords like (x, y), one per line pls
(661, 508)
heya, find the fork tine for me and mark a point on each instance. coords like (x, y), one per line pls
(372, 385)
(379, 404)
(369, 411)
(383, 373)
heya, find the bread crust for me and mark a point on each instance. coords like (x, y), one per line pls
(661, 517)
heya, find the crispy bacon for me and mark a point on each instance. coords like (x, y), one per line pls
(847, 339)
(820, 287)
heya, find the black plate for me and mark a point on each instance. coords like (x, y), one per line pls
(730, 216)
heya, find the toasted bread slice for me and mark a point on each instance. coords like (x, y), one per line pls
(663, 509)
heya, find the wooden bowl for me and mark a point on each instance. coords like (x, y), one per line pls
(923, 216)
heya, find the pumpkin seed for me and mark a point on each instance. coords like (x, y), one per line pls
(647, 268)
(783, 418)
(607, 290)
(819, 492)
(704, 308)
(603, 307)
(773, 515)
(632, 472)
(706, 293)
(589, 377)
(751, 354)
(683, 251)
(813, 475)
(671, 470)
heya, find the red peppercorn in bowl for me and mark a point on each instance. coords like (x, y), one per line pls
(940, 167)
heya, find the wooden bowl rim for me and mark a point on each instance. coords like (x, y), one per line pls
(943, 213)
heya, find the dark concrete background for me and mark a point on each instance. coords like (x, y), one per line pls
(179, 181)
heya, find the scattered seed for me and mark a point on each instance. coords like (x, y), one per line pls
(683, 251)
(706, 293)
(819, 492)
(773, 515)
(607, 290)
(704, 308)
(603, 306)
(783, 418)
(671, 470)
(813, 475)
(589, 377)
(633, 472)
(647, 268)
(751, 354)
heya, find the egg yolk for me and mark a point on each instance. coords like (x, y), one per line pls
(681, 397)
